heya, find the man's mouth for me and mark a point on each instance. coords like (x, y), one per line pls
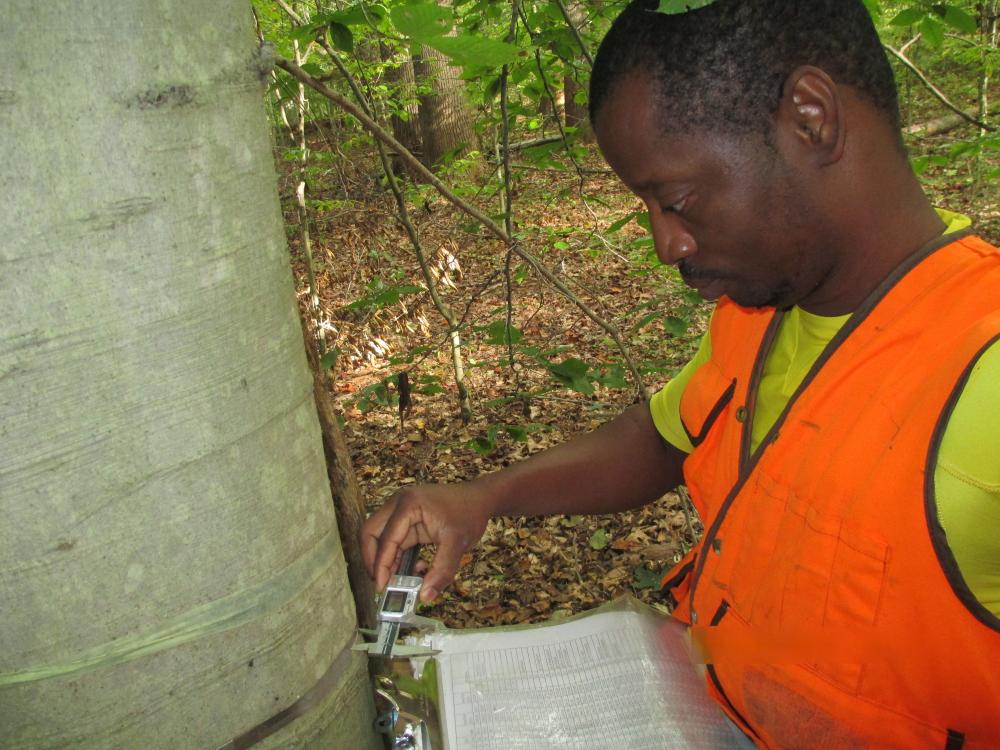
(706, 284)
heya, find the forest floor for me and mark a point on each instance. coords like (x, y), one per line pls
(525, 569)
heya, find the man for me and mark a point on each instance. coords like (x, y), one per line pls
(837, 429)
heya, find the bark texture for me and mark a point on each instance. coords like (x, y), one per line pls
(446, 121)
(170, 572)
(403, 99)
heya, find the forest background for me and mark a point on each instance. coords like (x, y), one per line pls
(479, 285)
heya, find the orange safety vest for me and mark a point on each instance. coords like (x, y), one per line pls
(827, 604)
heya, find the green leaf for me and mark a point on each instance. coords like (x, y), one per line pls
(932, 31)
(572, 373)
(675, 326)
(359, 14)
(328, 360)
(341, 37)
(874, 8)
(422, 21)
(485, 443)
(497, 333)
(908, 17)
(474, 51)
(959, 19)
(673, 7)
(646, 320)
(646, 578)
(622, 222)
(919, 165)
(517, 433)
(304, 34)
(614, 377)
(599, 539)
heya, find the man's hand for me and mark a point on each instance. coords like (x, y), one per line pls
(453, 517)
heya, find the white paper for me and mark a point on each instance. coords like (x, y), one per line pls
(614, 679)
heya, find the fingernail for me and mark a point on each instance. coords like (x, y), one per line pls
(428, 594)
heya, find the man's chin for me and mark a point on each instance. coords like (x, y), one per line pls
(760, 298)
(710, 290)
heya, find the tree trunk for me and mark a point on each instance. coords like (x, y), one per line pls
(576, 114)
(446, 120)
(402, 101)
(170, 572)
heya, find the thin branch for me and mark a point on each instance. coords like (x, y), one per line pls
(508, 207)
(934, 89)
(543, 141)
(910, 43)
(562, 132)
(381, 134)
(576, 32)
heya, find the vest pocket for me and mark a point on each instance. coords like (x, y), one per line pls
(705, 397)
(835, 575)
(797, 568)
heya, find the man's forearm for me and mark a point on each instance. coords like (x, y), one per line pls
(621, 465)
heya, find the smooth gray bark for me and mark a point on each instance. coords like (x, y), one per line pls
(170, 573)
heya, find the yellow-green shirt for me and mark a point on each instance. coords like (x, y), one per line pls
(967, 477)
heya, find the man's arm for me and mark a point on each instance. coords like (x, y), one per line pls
(621, 465)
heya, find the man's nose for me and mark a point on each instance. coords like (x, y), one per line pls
(671, 240)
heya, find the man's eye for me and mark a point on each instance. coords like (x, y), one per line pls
(677, 207)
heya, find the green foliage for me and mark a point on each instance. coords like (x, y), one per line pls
(599, 539)
(487, 442)
(648, 579)
(373, 40)
(382, 295)
(673, 7)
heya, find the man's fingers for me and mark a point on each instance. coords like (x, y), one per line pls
(371, 530)
(443, 570)
(397, 535)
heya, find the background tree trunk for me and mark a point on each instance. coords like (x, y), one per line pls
(170, 572)
(446, 120)
(403, 99)
(576, 114)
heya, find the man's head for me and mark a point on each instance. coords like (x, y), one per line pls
(722, 67)
(757, 134)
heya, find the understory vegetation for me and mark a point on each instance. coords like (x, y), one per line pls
(469, 327)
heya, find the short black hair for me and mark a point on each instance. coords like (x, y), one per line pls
(723, 66)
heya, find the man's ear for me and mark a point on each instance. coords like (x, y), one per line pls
(812, 113)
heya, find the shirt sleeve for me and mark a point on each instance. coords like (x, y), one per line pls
(665, 405)
(967, 481)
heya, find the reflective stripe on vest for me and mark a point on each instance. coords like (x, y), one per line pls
(823, 594)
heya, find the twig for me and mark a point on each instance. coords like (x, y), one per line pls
(381, 134)
(508, 208)
(576, 32)
(934, 89)
(562, 131)
(545, 140)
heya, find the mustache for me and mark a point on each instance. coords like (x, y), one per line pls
(691, 272)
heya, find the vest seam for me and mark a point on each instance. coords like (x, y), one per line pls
(939, 541)
(756, 373)
(743, 724)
